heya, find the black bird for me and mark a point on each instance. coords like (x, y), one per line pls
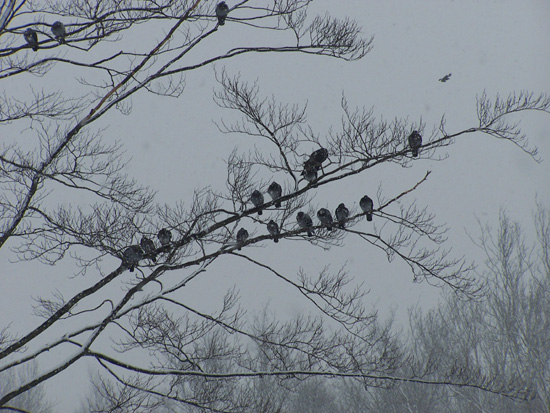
(325, 217)
(367, 206)
(58, 30)
(310, 174)
(32, 38)
(275, 191)
(445, 78)
(222, 10)
(415, 142)
(342, 213)
(257, 199)
(131, 256)
(242, 236)
(273, 230)
(148, 246)
(316, 159)
(164, 236)
(304, 221)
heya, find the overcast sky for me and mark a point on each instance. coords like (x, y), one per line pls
(493, 46)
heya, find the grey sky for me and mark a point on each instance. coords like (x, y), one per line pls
(496, 46)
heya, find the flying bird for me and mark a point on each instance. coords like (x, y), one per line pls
(304, 221)
(32, 38)
(148, 246)
(415, 142)
(131, 256)
(367, 206)
(242, 236)
(275, 191)
(445, 78)
(325, 217)
(257, 199)
(342, 213)
(164, 236)
(222, 10)
(273, 230)
(58, 30)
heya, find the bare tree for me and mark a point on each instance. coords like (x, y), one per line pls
(189, 358)
(500, 339)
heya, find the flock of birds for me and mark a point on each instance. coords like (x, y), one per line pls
(59, 32)
(147, 248)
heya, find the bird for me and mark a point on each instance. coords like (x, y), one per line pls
(304, 221)
(148, 246)
(309, 174)
(58, 30)
(32, 38)
(257, 199)
(242, 236)
(275, 191)
(273, 230)
(131, 256)
(164, 236)
(415, 142)
(445, 78)
(222, 10)
(325, 217)
(342, 213)
(367, 206)
(316, 159)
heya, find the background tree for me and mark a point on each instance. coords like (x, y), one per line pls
(161, 351)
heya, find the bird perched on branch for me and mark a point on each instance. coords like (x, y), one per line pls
(304, 221)
(316, 159)
(325, 217)
(164, 236)
(342, 214)
(275, 192)
(242, 236)
(309, 174)
(367, 206)
(31, 38)
(132, 256)
(222, 10)
(273, 230)
(257, 199)
(445, 78)
(58, 30)
(148, 246)
(415, 142)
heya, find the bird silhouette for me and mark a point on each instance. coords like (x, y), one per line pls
(242, 236)
(325, 217)
(273, 230)
(275, 191)
(222, 10)
(148, 246)
(58, 30)
(415, 142)
(367, 206)
(131, 256)
(445, 78)
(342, 213)
(31, 37)
(304, 221)
(257, 199)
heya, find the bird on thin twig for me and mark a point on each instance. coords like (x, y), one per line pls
(304, 221)
(257, 199)
(242, 236)
(325, 217)
(415, 142)
(342, 214)
(273, 230)
(149, 248)
(367, 206)
(31, 37)
(58, 30)
(131, 256)
(275, 191)
(222, 10)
